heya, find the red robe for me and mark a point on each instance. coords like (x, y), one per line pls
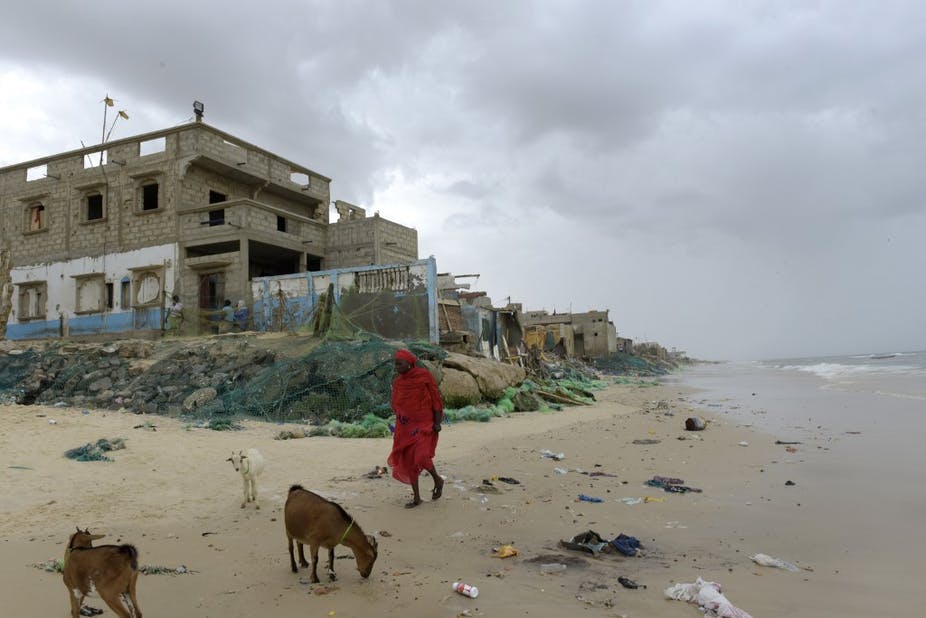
(415, 398)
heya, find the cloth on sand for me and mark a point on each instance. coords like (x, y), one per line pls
(708, 596)
(415, 398)
(671, 485)
(591, 542)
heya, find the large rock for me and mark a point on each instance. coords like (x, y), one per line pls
(491, 376)
(459, 389)
(199, 398)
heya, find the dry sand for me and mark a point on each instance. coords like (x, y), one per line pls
(171, 487)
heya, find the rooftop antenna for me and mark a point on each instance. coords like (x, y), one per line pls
(198, 109)
(107, 103)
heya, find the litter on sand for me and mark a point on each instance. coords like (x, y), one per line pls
(591, 542)
(95, 451)
(629, 583)
(505, 551)
(647, 441)
(377, 472)
(630, 501)
(766, 560)
(671, 485)
(708, 596)
(551, 455)
(584, 498)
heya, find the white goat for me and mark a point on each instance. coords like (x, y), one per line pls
(250, 464)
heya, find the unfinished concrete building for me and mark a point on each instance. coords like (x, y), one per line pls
(584, 335)
(100, 239)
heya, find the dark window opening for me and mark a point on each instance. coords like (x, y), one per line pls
(281, 223)
(216, 248)
(94, 207)
(37, 218)
(217, 217)
(313, 263)
(125, 295)
(149, 197)
(215, 197)
(109, 295)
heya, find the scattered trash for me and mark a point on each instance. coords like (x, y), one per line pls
(790, 449)
(599, 474)
(708, 596)
(744, 443)
(208, 533)
(629, 583)
(630, 501)
(648, 499)
(509, 480)
(554, 456)
(561, 470)
(584, 498)
(627, 545)
(695, 423)
(148, 426)
(465, 589)
(675, 524)
(19, 467)
(377, 472)
(647, 441)
(51, 566)
(150, 569)
(327, 589)
(671, 485)
(766, 560)
(86, 610)
(505, 551)
(552, 567)
(52, 421)
(386, 534)
(790, 483)
(785, 442)
(95, 451)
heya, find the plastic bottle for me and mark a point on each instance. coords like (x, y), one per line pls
(552, 567)
(466, 590)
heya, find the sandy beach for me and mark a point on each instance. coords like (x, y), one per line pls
(173, 495)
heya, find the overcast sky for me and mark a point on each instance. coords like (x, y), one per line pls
(737, 179)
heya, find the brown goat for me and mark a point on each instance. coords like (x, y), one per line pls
(311, 520)
(111, 569)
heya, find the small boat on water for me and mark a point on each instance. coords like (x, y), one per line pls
(877, 356)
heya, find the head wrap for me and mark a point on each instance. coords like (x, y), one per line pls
(406, 356)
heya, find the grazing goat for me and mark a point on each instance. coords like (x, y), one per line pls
(250, 464)
(111, 569)
(311, 520)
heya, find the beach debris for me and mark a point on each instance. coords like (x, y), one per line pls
(597, 473)
(561, 470)
(744, 443)
(465, 589)
(552, 567)
(790, 483)
(290, 434)
(86, 610)
(505, 551)
(147, 426)
(629, 583)
(786, 442)
(708, 596)
(508, 479)
(551, 455)
(376, 472)
(591, 542)
(19, 467)
(671, 485)
(326, 589)
(695, 423)
(627, 545)
(95, 451)
(647, 441)
(51, 565)
(790, 449)
(52, 421)
(585, 498)
(648, 499)
(630, 500)
(770, 561)
(152, 569)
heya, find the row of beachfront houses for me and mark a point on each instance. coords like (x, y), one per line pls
(113, 238)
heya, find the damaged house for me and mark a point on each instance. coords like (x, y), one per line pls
(98, 240)
(583, 335)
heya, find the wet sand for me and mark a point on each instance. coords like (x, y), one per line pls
(170, 487)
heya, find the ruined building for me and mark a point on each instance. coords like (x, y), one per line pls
(585, 335)
(100, 239)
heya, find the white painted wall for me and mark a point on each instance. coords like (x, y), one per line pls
(62, 287)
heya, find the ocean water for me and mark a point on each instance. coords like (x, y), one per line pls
(861, 422)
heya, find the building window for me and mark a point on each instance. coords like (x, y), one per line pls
(125, 294)
(216, 217)
(32, 298)
(147, 285)
(149, 196)
(109, 295)
(90, 294)
(36, 218)
(281, 223)
(215, 197)
(94, 206)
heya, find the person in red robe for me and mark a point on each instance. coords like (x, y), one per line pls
(418, 414)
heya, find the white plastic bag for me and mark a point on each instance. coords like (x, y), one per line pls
(766, 560)
(708, 596)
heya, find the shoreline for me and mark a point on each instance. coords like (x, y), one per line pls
(170, 486)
